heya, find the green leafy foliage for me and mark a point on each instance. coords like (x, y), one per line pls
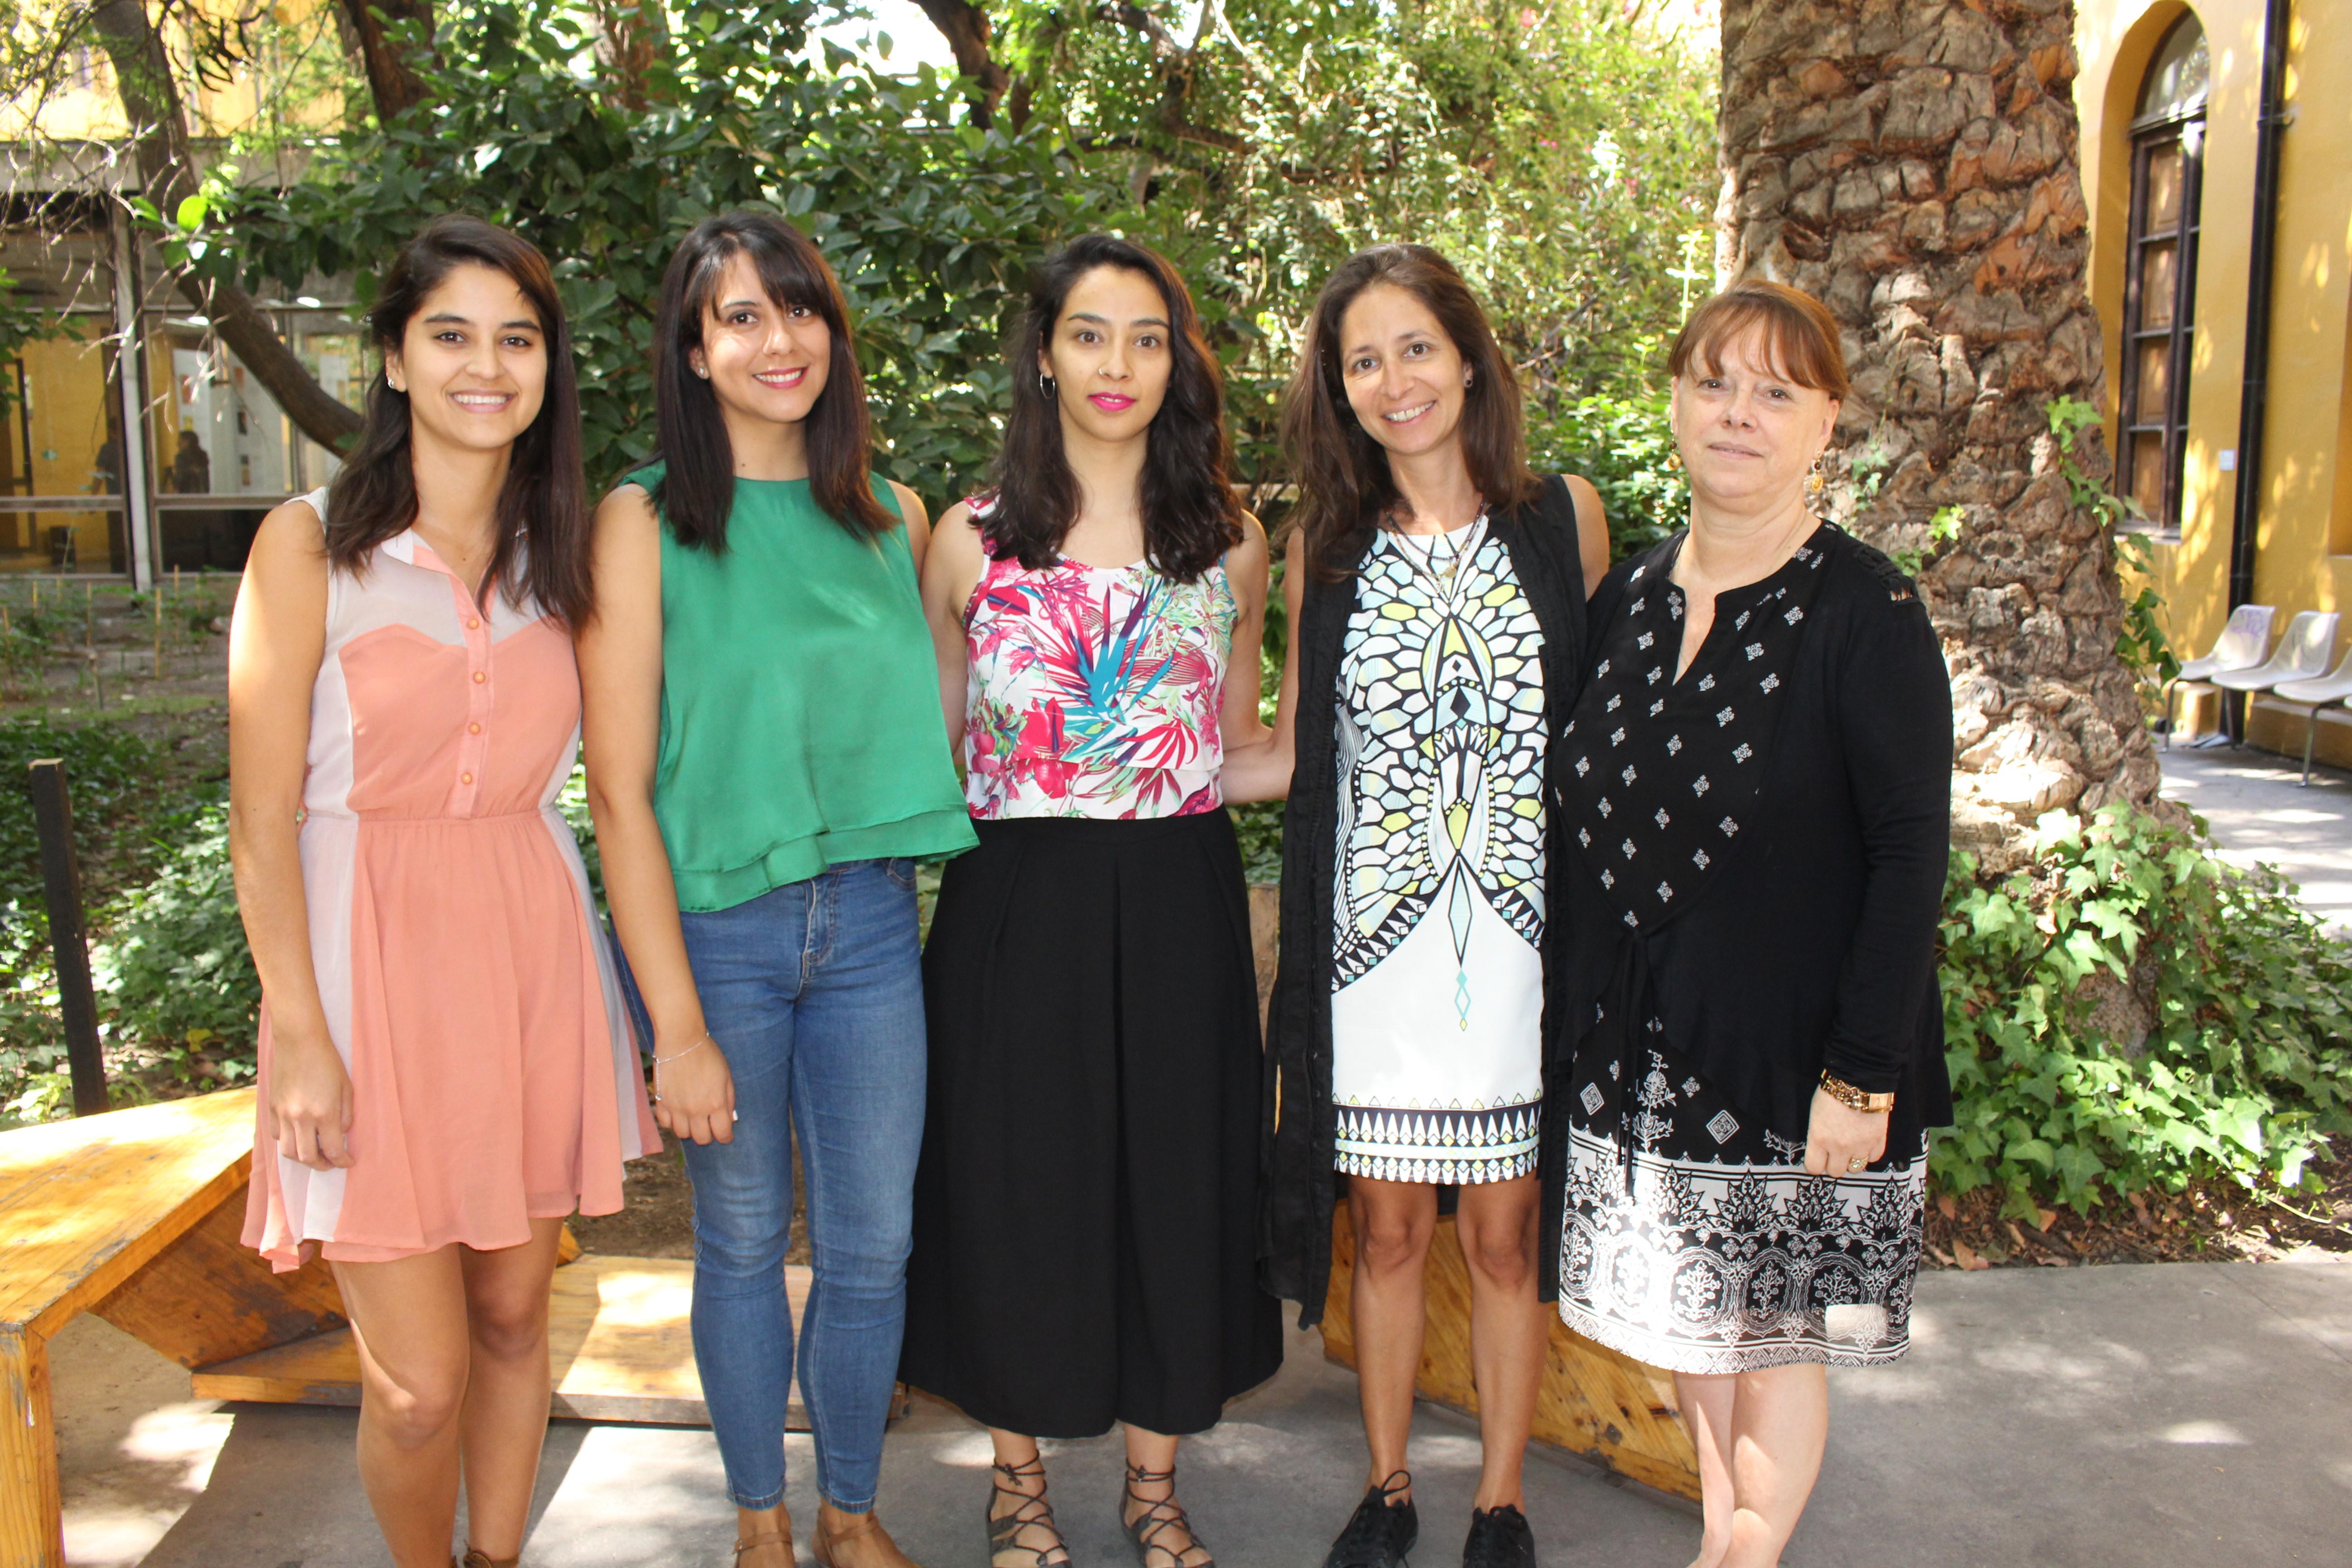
(173, 972)
(2245, 1069)
(1624, 446)
(931, 222)
(2141, 646)
(104, 763)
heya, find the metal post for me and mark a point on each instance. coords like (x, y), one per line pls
(138, 505)
(53, 817)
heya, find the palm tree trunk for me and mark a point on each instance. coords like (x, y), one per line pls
(1916, 166)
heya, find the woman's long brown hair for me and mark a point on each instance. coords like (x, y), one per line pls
(1342, 473)
(542, 508)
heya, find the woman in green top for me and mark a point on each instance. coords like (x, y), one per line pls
(766, 762)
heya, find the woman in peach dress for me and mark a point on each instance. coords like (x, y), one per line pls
(446, 1071)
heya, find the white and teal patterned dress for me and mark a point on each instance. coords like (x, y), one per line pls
(1437, 990)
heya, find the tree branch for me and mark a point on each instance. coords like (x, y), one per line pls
(391, 83)
(167, 170)
(968, 34)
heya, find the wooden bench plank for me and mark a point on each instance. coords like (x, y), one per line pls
(1594, 1402)
(86, 1202)
(618, 1338)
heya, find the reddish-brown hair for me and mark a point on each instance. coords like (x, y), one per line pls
(1800, 336)
(1344, 483)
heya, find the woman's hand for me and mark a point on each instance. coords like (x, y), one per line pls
(309, 1097)
(1838, 1135)
(694, 1092)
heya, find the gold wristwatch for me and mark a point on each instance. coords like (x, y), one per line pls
(1845, 1093)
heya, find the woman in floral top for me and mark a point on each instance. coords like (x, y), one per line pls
(1085, 1212)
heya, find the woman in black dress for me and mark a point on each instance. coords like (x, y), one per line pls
(1757, 780)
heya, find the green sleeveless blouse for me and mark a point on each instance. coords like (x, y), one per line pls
(799, 715)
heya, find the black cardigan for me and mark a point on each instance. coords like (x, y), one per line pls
(1301, 1184)
(1814, 946)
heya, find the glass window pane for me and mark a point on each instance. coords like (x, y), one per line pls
(2177, 76)
(2147, 476)
(2157, 277)
(2155, 381)
(217, 430)
(2163, 208)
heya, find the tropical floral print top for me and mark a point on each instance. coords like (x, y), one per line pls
(1093, 690)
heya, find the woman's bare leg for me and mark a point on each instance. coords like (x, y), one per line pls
(1508, 1327)
(1768, 1451)
(1706, 1405)
(504, 1422)
(408, 1318)
(1393, 1221)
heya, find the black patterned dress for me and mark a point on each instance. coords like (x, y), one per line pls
(1693, 1238)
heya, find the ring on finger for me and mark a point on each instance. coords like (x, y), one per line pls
(1855, 1163)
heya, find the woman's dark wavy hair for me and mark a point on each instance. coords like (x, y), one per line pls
(1191, 515)
(1342, 473)
(696, 492)
(542, 508)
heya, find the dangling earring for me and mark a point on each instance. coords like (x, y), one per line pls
(1815, 481)
(1044, 387)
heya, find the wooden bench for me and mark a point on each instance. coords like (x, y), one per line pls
(136, 1215)
(1594, 1402)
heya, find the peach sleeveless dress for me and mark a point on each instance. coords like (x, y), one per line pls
(466, 981)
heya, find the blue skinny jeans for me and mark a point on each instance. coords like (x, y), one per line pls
(814, 990)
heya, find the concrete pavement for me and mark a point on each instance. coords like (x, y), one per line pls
(2257, 812)
(2168, 1415)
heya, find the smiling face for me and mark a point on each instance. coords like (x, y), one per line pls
(1747, 430)
(1109, 354)
(763, 360)
(473, 360)
(1404, 378)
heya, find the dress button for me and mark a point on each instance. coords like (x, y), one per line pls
(465, 778)
(473, 728)
(479, 677)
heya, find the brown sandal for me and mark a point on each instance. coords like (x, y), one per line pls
(782, 1538)
(1033, 1509)
(478, 1558)
(821, 1546)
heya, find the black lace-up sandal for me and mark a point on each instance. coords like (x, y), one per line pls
(1156, 1519)
(1033, 1512)
(1379, 1533)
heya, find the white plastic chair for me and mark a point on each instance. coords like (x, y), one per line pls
(2302, 655)
(2240, 645)
(2311, 696)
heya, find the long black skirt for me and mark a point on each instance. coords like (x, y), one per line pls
(1085, 1245)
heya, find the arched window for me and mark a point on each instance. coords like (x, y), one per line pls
(2168, 135)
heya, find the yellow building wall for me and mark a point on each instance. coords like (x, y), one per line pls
(85, 106)
(2303, 545)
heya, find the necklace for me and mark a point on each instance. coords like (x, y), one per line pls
(1454, 553)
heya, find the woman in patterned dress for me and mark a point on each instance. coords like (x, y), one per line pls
(1086, 1208)
(446, 1072)
(1757, 777)
(1436, 593)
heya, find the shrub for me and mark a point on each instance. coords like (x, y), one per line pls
(173, 974)
(2245, 1068)
(1623, 447)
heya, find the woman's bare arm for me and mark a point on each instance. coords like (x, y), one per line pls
(918, 519)
(620, 726)
(1261, 770)
(1591, 530)
(949, 574)
(275, 641)
(1246, 571)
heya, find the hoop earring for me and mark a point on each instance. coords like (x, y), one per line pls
(1046, 386)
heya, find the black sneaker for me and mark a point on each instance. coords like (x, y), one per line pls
(1379, 1533)
(1499, 1538)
